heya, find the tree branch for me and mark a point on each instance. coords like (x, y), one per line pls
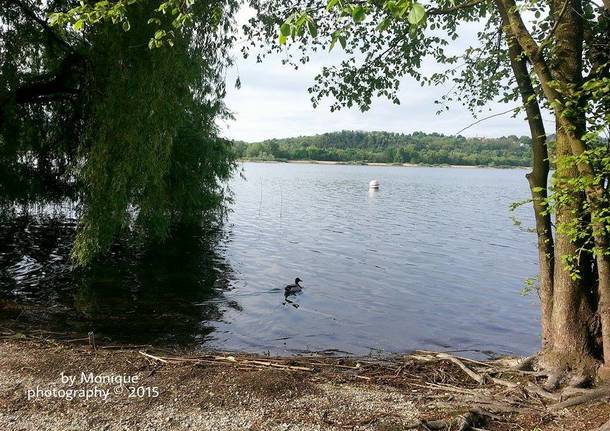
(547, 39)
(462, 6)
(486, 118)
(521, 34)
(47, 87)
(28, 12)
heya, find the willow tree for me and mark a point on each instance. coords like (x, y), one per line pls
(120, 120)
(549, 54)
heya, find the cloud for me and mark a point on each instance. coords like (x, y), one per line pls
(273, 102)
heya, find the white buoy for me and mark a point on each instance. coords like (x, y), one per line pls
(374, 185)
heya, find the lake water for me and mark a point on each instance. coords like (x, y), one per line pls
(432, 260)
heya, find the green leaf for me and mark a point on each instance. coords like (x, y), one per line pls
(285, 29)
(301, 20)
(78, 25)
(126, 25)
(331, 4)
(358, 14)
(283, 39)
(333, 41)
(313, 29)
(384, 24)
(53, 19)
(416, 14)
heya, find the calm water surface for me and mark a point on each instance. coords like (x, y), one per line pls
(432, 260)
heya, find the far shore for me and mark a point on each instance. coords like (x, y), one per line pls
(403, 165)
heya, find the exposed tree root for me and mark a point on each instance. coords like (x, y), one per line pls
(525, 364)
(464, 422)
(469, 421)
(589, 396)
(553, 381)
(579, 381)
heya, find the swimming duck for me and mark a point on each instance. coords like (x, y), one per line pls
(293, 288)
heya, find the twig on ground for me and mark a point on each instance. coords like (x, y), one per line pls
(156, 358)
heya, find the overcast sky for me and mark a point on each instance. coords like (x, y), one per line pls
(273, 102)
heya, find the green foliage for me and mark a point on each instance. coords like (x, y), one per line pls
(383, 147)
(384, 42)
(133, 142)
(531, 285)
(587, 215)
(169, 15)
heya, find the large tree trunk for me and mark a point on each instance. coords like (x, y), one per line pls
(568, 47)
(537, 179)
(572, 311)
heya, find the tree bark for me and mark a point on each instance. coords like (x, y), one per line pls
(537, 178)
(62, 84)
(572, 311)
(567, 33)
(569, 45)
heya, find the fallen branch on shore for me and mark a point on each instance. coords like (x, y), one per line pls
(231, 360)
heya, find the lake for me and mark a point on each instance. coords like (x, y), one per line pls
(433, 260)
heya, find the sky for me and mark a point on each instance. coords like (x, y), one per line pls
(273, 102)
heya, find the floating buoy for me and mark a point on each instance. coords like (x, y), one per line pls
(374, 185)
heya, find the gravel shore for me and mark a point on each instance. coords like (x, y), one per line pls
(48, 385)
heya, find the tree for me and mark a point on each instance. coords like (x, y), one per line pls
(357, 146)
(555, 55)
(97, 115)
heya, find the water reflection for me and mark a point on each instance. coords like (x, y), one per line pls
(430, 261)
(166, 295)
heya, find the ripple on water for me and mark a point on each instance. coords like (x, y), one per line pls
(432, 260)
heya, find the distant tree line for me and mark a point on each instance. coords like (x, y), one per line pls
(385, 147)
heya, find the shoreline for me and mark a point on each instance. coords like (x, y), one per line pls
(179, 390)
(380, 164)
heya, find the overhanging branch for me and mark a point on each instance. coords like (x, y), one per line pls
(28, 12)
(462, 6)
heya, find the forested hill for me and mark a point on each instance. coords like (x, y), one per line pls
(385, 147)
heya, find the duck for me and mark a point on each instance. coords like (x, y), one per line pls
(293, 288)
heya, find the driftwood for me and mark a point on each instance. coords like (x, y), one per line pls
(156, 358)
(428, 354)
(481, 379)
(228, 360)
